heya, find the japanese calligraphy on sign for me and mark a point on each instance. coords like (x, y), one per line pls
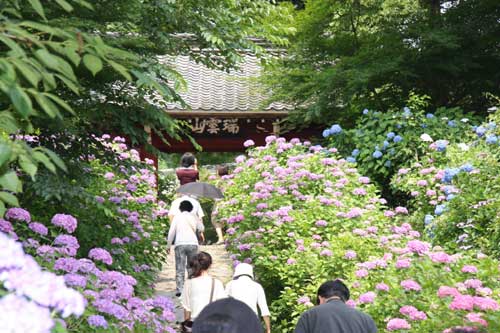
(213, 126)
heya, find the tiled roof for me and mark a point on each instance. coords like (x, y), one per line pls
(216, 90)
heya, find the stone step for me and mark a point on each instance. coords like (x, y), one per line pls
(221, 269)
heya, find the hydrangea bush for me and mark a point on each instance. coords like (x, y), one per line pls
(455, 191)
(111, 297)
(31, 299)
(381, 143)
(112, 193)
(111, 245)
(302, 215)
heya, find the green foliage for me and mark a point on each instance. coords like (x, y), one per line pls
(460, 211)
(110, 192)
(399, 136)
(350, 55)
(302, 216)
(81, 68)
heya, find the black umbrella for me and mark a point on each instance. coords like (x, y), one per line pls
(201, 190)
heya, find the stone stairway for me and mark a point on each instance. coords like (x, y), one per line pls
(221, 269)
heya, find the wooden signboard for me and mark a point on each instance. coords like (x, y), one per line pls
(227, 131)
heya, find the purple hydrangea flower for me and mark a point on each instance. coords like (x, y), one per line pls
(15, 310)
(39, 228)
(18, 214)
(97, 321)
(75, 280)
(67, 222)
(101, 255)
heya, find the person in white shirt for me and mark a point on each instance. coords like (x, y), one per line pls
(245, 289)
(182, 234)
(201, 289)
(174, 207)
(197, 210)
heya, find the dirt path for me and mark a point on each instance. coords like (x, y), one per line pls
(221, 269)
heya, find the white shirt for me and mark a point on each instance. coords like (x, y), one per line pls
(196, 294)
(183, 229)
(249, 292)
(197, 211)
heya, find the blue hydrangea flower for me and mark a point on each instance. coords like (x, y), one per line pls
(335, 129)
(406, 111)
(452, 123)
(377, 154)
(492, 125)
(480, 131)
(428, 219)
(392, 151)
(351, 159)
(449, 174)
(467, 167)
(388, 164)
(365, 111)
(440, 209)
(423, 125)
(326, 133)
(450, 196)
(398, 126)
(491, 139)
(429, 116)
(385, 144)
(390, 135)
(448, 189)
(355, 152)
(441, 145)
(397, 139)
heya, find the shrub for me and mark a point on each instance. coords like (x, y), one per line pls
(302, 215)
(455, 191)
(112, 194)
(381, 143)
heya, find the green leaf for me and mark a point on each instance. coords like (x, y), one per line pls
(60, 102)
(46, 104)
(16, 49)
(70, 84)
(28, 72)
(120, 69)
(93, 63)
(41, 157)
(37, 6)
(9, 199)
(72, 54)
(5, 153)
(8, 123)
(21, 101)
(10, 182)
(65, 5)
(2, 208)
(53, 156)
(28, 166)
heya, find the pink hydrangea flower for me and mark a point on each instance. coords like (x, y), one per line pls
(361, 273)
(410, 285)
(476, 318)
(462, 302)
(367, 297)
(418, 247)
(382, 287)
(469, 269)
(397, 324)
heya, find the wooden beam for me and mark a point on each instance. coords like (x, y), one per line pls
(226, 114)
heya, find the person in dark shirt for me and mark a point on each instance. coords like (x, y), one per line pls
(188, 172)
(332, 315)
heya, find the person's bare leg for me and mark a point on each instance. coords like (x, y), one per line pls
(219, 235)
